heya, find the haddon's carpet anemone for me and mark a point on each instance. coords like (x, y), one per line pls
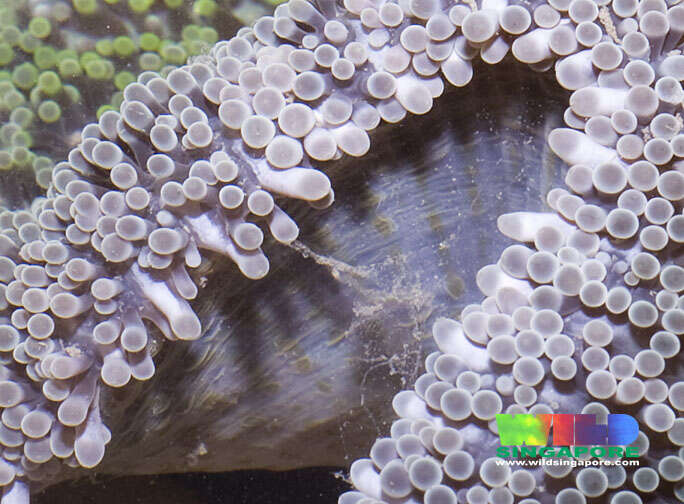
(191, 167)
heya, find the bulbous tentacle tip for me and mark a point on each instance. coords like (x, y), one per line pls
(576, 148)
(16, 492)
(254, 266)
(186, 326)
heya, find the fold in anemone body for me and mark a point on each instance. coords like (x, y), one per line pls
(131, 245)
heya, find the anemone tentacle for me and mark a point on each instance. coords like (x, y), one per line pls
(595, 275)
(57, 63)
(193, 163)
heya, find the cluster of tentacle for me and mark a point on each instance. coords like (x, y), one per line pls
(191, 162)
(590, 297)
(65, 62)
(194, 162)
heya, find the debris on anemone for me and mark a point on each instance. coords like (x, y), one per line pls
(193, 162)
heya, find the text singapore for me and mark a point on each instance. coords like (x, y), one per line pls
(526, 435)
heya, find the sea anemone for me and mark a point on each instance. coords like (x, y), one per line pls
(67, 62)
(192, 164)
